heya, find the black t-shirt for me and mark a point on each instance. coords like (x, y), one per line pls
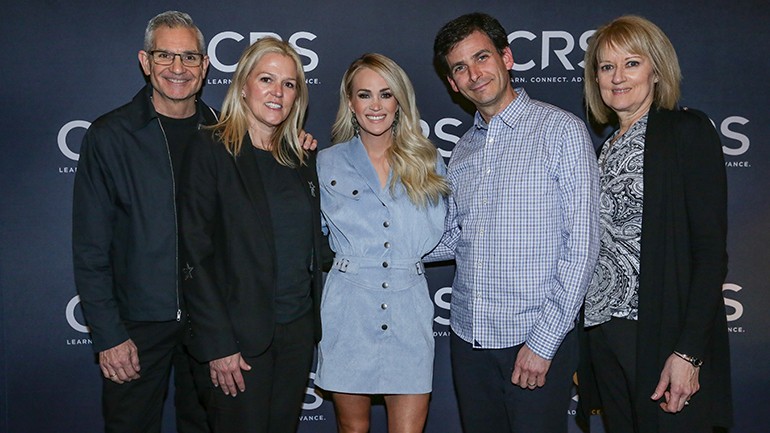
(179, 133)
(292, 220)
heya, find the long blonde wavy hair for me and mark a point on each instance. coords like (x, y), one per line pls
(234, 124)
(411, 156)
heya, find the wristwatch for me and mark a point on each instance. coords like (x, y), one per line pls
(696, 362)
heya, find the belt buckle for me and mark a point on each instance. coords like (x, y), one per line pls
(420, 268)
(343, 264)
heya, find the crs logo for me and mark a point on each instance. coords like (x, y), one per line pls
(294, 40)
(439, 130)
(316, 400)
(64, 132)
(727, 132)
(732, 303)
(441, 298)
(69, 313)
(547, 39)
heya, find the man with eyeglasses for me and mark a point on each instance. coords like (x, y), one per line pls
(125, 246)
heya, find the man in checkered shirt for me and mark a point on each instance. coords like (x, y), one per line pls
(522, 227)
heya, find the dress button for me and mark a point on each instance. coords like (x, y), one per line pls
(384, 264)
(355, 192)
(334, 182)
(387, 244)
(384, 327)
(386, 224)
(384, 306)
(385, 285)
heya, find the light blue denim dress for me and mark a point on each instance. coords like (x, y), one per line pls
(376, 312)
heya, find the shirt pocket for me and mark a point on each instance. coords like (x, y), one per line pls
(343, 188)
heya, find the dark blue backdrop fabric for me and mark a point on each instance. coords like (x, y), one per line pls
(69, 62)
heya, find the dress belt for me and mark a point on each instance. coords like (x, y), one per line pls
(352, 265)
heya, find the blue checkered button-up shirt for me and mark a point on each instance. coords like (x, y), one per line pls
(522, 226)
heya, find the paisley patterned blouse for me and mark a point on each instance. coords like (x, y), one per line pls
(613, 292)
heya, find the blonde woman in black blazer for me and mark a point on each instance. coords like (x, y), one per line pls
(250, 227)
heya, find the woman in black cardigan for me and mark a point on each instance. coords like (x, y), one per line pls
(656, 356)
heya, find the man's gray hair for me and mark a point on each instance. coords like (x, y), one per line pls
(171, 19)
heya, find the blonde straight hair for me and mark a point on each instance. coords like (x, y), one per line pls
(234, 125)
(411, 156)
(639, 36)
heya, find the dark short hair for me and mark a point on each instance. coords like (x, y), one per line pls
(460, 28)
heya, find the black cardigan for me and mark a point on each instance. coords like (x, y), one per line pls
(682, 267)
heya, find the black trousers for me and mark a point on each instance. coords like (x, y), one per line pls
(137, 406)
(490, 403)
(613, 353)
(275, 385)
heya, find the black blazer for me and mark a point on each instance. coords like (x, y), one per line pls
(683, 265)
(228, 269)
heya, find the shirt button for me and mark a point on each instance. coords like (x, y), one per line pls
(384, 306)
(386, 224)
(384, 264)
(385, 285)
(484, 201)
(386, 244)
(334, 182)
(384, 327)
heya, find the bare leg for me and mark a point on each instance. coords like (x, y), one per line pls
(352, 412)
(407, 412)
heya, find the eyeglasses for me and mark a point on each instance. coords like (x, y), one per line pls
(165, 58)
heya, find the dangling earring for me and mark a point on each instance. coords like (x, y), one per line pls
(396, 118)
(356, 127)
(243, 94)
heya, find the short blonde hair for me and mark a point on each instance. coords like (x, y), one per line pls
(412, 157)
(639, 36)
(234, 125)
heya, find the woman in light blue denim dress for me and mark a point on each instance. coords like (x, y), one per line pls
(382, 200)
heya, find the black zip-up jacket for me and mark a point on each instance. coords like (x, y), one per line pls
(124, 223)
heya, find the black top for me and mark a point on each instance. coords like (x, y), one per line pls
(179, 133)
(292, 221)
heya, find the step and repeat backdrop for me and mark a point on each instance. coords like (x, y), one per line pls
(69, 62)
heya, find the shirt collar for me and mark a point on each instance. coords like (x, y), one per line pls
(510, 114)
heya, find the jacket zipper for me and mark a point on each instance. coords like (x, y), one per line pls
(176, 225)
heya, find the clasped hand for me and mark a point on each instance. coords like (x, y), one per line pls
(226, 373)
(678, 383)
(530, 369)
